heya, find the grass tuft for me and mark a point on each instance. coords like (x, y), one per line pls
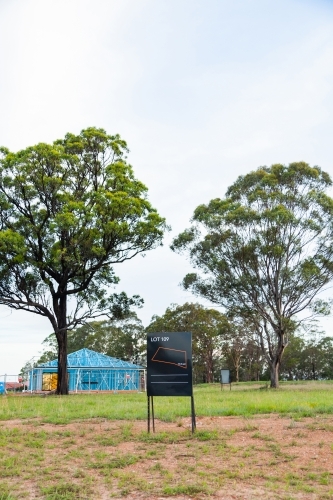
(64, 491)
(185, 489)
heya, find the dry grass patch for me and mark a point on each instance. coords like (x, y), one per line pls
(228, 457)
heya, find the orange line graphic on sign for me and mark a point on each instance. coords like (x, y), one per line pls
(165, 356)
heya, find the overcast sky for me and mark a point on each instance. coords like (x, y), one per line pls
(201, 90)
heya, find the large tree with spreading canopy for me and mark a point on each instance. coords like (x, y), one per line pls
(265, 251)
(70, 211)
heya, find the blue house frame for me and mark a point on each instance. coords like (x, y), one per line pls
(89, 371)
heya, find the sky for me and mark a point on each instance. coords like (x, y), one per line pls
(202, 91)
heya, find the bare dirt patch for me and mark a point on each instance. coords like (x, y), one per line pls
(264, 457)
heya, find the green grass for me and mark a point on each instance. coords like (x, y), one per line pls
(186, 489)
(84, 447)
(298, 399)
(64, 491)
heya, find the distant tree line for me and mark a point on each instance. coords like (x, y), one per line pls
(218, 343)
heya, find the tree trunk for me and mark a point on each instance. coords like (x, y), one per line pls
(209, 368)
(258, 371)
(237, 362)
(313, 370)
(62, 383)
(275, 374)
(275, 363)
(237, 372)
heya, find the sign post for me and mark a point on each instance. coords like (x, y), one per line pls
(169, 369)
(225, 378)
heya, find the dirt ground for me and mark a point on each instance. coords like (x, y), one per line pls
(263, 457)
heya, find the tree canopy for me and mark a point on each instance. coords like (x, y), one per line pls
(70, 211)
(122, 339)
(208, 327)
(265, 250)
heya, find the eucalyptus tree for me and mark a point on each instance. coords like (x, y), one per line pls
(265, 250)
(208, 327)
(240, 350)
(120, 338)
(70, 211)
(292, 363)
(308, 359)
(124, 339)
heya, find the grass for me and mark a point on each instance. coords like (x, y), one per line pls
(63, 491)
(201, 464)
(86, 447)
(298, 399)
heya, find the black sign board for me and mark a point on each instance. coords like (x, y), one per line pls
(169, 364)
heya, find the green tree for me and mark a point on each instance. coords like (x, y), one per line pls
(69, 212)
(325, 368)
(265, 250)
(254, 362)
(241, 351)
(308, 359)
(207, 326)
(316, 359)
(292, 365)
(25, 370)
(233, 352)
(123, 339)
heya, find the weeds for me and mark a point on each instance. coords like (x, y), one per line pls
(203, 435)
(118, 462)
(64, 491)
(122, 460)
(186, 489)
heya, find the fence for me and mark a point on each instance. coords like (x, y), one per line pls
(12, 383)
(81, 380)
(89, 379)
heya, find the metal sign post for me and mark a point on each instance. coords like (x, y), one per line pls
(169, 369)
